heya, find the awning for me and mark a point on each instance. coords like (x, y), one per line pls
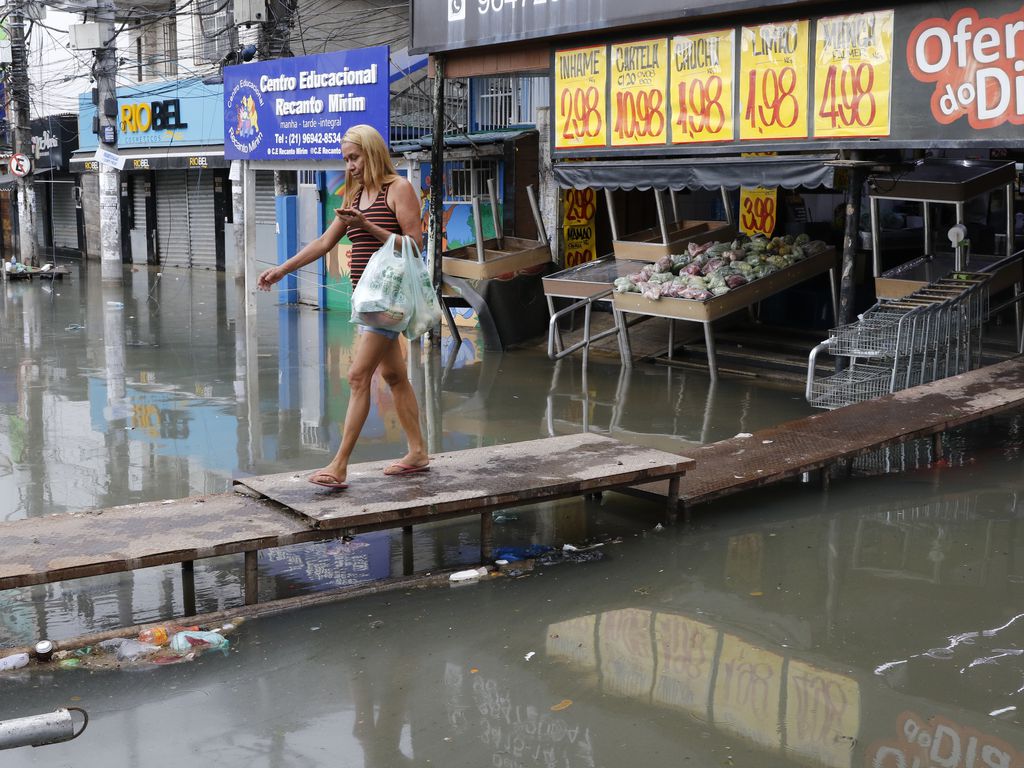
(788, 171)
(156, 158)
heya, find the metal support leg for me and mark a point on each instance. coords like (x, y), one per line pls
(833, 284)
(671, 337)
(407, 553)
(453, 329)
(625, 350)
(672, 503)
(927, 229)
(188, 587)
(554, 332)
(251, 581)
(486, 537)
(709, 342)
(876, 236)
(662, 221)
(612, 223)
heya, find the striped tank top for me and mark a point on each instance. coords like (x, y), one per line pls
(364, 245)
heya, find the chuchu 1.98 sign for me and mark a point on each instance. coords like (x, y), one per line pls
(299, 108)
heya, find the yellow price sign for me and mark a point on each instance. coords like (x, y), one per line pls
(639, 72)
(701, 87)
(853, 75)
(578, 209)
(758, 210)
(580, 78)
(773, 81)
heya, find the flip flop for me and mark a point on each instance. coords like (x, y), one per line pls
(336, 485)
(399, 468)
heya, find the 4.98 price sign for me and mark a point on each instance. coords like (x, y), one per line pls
(853, 75)
(580, 78)
(774, 72)
(701, 87)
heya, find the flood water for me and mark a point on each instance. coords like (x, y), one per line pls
(880, 623)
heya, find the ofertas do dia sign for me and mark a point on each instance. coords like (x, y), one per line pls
(301, 107)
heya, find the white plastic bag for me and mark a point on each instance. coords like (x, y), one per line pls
(426, 312)
(381, 298)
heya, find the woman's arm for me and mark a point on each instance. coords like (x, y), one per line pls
(310, 253)
(402, 199)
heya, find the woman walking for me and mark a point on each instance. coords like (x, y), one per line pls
(378, 203)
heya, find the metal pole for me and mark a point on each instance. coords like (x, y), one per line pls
(876, 237)
(238, 216)
(435, 248)
(662, 224)
(110, 176)
(846, 281)
(727, 203)
(39, 730)
(542, 235)
(927, 228)
(611, 214)
(478, 229)
(249, 225)
(495, 215)
(22, 130)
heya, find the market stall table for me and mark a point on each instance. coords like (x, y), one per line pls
(706, 312)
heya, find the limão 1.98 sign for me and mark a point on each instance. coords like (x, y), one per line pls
(580, 77)
(774, 71)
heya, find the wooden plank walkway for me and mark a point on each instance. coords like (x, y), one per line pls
(472, 481)
(836, 437)
(291, 510)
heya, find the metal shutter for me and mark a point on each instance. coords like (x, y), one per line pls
(64, 216)
(172, 218)
(139, 203)
(202, 228)
(266, 212)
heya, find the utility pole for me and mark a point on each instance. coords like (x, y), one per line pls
(435, 248)
(109, 176)
(21, 126)
(273, 42)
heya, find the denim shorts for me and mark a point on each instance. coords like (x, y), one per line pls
(380, 331)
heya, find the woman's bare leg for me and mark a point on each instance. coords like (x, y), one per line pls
(395, 373)
(371, 350)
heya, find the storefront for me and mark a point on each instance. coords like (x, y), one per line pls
(658, 98)
(58, 197)
(175, 193)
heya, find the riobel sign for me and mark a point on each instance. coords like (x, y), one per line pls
(142, 116)
(299, 108)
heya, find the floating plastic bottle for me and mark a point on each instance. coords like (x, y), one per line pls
(160, 635)
(14, 661)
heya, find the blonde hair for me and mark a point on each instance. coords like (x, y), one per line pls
(378, 169)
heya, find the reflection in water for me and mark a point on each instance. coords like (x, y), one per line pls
(751, 639)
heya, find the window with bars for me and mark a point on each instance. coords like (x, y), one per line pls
(468, 178)
(212, 41)
(500, 102)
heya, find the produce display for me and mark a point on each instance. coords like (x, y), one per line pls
(712, 269)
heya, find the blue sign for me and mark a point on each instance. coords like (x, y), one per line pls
(299, 108)
(160, 114)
